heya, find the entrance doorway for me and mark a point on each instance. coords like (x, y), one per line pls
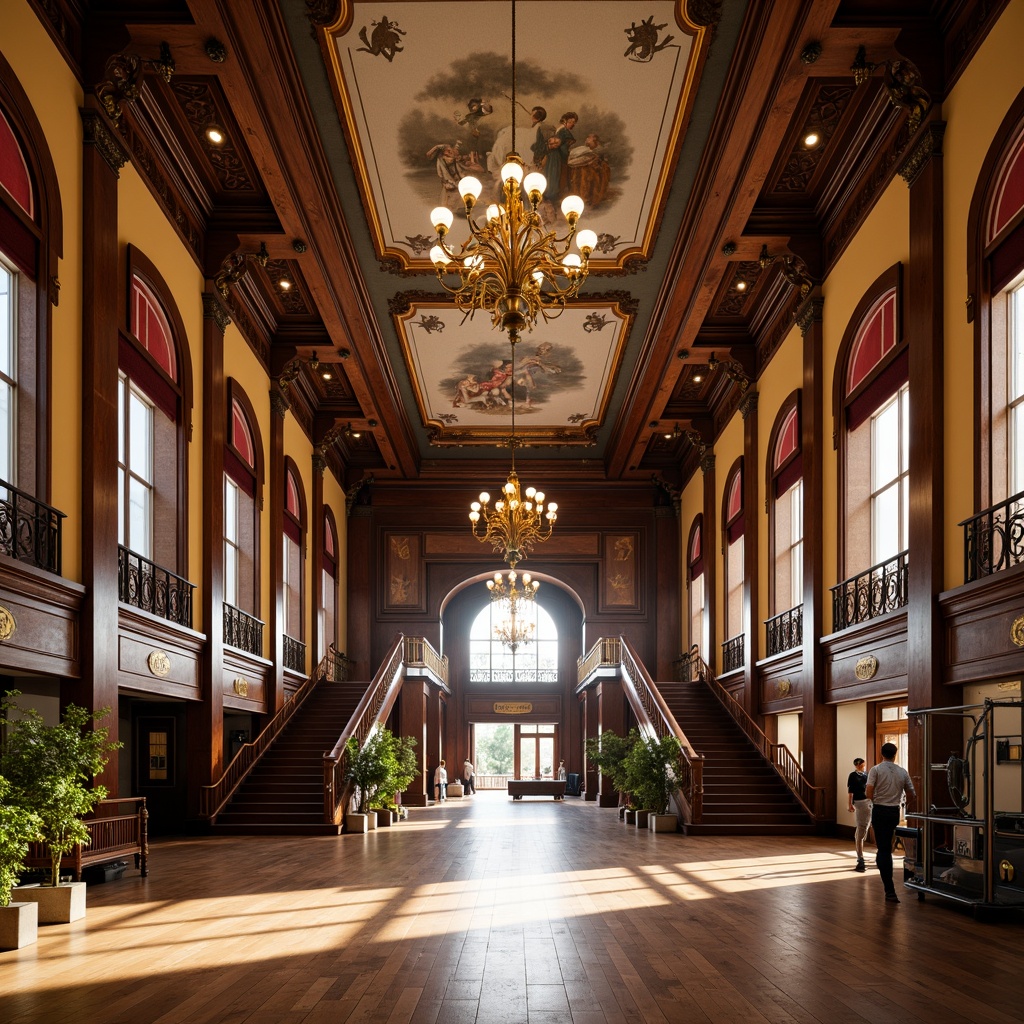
(535, 751)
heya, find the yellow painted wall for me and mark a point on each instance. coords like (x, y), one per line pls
(334, 498)
(728, 448)
(56, 97)
(973, 112)
(691, 504)
(851, 731)
(299, 449)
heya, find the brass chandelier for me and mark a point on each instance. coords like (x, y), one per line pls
(511, 265)
(515, 624)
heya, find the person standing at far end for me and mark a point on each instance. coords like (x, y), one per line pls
(469, 776)
(859, 806)
(887, 785)
(441, 781)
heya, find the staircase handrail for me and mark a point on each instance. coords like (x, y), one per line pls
(811, 798)
(648, 704)
(374, 706)
(213, 798)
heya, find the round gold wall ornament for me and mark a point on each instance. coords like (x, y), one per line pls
(783, 688)
(241, 687)
(866, 667)
(158, 662)
(1017, 631)
(7, 623)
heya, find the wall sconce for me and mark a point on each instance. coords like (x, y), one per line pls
(673, 434)
(355, 434)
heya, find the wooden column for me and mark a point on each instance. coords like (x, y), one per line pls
(751, 627)
(593, 718)
(102, 290)
(666, 611)
(275, 488)
(205, 720)
(612, 718)
(819, 719)
(435, 740)
(924, 326)
(412, 719)
(359, 603)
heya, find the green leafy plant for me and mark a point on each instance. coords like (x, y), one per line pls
(382, 767)
(18, 828)
(609, 752)
(650, 773)
(50, 769)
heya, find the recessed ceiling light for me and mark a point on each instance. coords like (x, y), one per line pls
(811, 139)
(327, 375)
(698, 377)
(215, 135)
(741, 286)
(284, 284)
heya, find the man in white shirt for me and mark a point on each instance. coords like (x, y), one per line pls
(441, 782)
(887, 785)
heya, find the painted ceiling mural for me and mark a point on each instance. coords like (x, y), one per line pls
(602, 93)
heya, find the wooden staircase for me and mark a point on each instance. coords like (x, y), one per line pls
(284, 792)
(743, 793)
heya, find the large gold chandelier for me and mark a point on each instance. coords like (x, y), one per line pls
(515, 623)
(511, 265)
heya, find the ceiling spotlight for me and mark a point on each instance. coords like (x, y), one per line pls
(698, 377)
(811, 140)
(741, 285)
(284, 284)
(326, 374)
(215, 135)
(352, 433)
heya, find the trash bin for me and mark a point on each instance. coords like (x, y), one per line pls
(572, 783)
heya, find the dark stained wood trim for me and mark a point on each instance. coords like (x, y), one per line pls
(275, 618)
(884, 638)
(773, 674)
(752, 628)
(138, 635)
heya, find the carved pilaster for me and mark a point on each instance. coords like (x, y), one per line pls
(929, 147)
(213, 310)
(810, 313)
(96, 133)
(707, 462)
(319, 463)
(278, 402)
(748, 404)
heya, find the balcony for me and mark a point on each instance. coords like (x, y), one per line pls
(156, 590)
(785, 631)
(243, 630)
(30, 530)
(880, 589)
(294, 654)
(733, 654)
(994, 539)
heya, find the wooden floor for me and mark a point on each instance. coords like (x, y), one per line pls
(535, 911)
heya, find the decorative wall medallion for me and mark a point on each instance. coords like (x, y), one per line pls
(7, 624)
(158, 662)
(783, 688)
(520, 707)
(1011, 687)
(1017, 631)
(241, 687)
(866, 667)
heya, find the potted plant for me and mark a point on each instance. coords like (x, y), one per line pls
(50, 769)
(398, 759)
(18, 827)
(383, 766)
(650, 775)
(609, 752)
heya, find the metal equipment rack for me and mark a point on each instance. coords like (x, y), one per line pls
(973, 851)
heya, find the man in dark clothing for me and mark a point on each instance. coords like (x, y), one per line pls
(859, 806)
(888, 783)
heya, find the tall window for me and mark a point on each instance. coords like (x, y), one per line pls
(242, 481)
(695, 574)
(135, 465)
(329, 587)
(786, 508)
(8, 372)
(733, 533)
(1015, 385)
(294, 527)
(490, 661)
(890, 477)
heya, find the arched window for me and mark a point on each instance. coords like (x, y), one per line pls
(695, 583)
(31, 233)
(294, 550)
(732, 532)
(871, 399)
(490, 661)
(243, 488)
(154, 408)
(785, 510)
(329, 585)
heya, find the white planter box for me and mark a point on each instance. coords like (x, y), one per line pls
(662, 822)
(356, 823)
(58, 904)
(456, 790)
(19, 925)
(371, 821)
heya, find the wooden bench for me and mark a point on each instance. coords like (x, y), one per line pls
(518, 788)
(112, 835)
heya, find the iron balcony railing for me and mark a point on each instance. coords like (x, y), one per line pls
(294, 654)
(994, 539)
(687, 668)
(30, 530)
(733, 653)
(784, 631)
(148, 586)
(243, 630)
(880, 589)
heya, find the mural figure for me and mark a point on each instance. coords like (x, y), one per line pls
(494, 391)
(534, 365)
(542, 133)
(643, 40)
(452, 165)
(595, 322)
(556, 162)
(384, 40)
(589, 172)
(475, 109)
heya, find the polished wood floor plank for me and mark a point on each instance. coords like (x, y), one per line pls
(485, 911)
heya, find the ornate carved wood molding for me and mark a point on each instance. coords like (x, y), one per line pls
(928, 147)
(96, 133)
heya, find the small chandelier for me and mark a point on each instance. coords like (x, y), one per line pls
(511, 265)
(515, 625)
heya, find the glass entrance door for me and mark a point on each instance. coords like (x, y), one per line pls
(535, 751)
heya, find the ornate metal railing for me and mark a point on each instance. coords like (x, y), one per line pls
(687, 667)
(812, 798)
(880, 589)
(243, 630)
(152, 588)
(733, 653)
(994, 538)
(419, 653)
(341, 665)
(294, 654)
(784, 631)
(30, 530)
(605, 653)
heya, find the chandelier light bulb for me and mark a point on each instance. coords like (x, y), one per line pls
(439, 257)
(586, 241)
(493, 212)
(470, 189)
(484, 498)
(535, 183)
(572, 263)
(538, 495)
(572, 208)
(441, 217)
(512, 170)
